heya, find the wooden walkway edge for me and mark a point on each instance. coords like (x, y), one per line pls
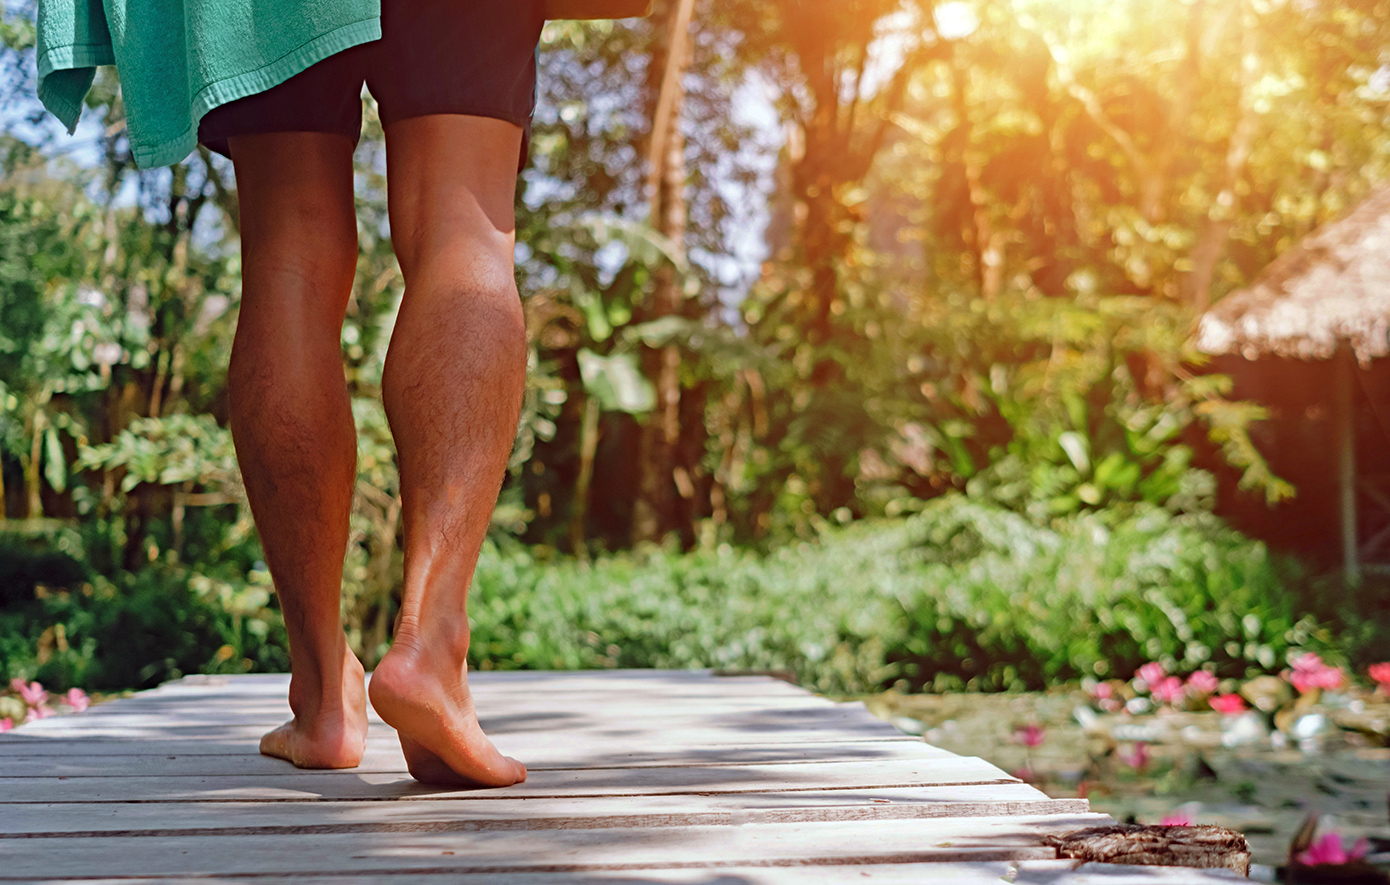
(635, 777)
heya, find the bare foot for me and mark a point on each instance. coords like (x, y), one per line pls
(429, 705)
(329, 728)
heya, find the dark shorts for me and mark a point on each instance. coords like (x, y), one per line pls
(474, 57)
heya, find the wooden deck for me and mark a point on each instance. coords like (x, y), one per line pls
(635, 777)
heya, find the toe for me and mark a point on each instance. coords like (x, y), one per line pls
(277, 743)
(427, 768)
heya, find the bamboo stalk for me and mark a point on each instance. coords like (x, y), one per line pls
(588, 445)
(667, 98)
(1346, 465)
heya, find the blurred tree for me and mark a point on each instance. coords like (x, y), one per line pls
(599, 280)
(1162, 149)
(990, 221)
(842, 70)
(662, 480)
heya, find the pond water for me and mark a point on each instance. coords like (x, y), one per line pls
(1235, 771)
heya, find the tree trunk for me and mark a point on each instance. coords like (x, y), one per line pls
(588, 446)
(653, 509)
(1211, 243)
(987, 242)
(34, 505)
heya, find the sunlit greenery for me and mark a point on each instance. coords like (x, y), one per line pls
(924, 250)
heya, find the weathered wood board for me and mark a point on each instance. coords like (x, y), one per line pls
(635, 777)
(385, 756)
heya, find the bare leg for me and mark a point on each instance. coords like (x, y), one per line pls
(292, 420)
(452, 387)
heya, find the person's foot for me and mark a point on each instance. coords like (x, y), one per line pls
(428, 703)
(329, 728)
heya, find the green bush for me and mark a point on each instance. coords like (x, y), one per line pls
(66, 626)
(998, 602)
(963, 594)
(826, 611)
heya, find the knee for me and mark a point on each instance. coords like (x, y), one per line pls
(477, 260)
(294, 295)
(309, 273)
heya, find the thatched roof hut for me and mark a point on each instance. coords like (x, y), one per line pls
(1327, 298)
(1330, 291)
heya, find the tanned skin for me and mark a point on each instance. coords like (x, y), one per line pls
(452, 387)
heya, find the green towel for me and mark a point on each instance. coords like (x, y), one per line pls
(179, 59)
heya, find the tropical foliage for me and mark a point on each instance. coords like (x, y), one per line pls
(812, 263)
(965, 594)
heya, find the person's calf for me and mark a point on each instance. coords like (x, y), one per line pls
(452, 389)
(291, 419)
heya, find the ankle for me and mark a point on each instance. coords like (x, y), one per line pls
(329, 680)
(432, 650)
(407, 670)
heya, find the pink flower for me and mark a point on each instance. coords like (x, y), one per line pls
(1227, 704)
(37, 713)
(1381, 674)
(1150, 673)
(1177, 819)
(6, 724)
(1201, 684)
(1030, 735)
(1332, 678)
(1167, 690)
(1103, 693)
(77, 699)
(32, 694)
(1309, 672)
(1329, 850)
(1138, 759)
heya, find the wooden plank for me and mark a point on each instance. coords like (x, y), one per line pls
(230, 739)
(514, 735)
(636, 777)
(387, 757)
(567, 746)
(500, 852)
(613, 681)
(223, 707)
(175, 714)
(1029, 872)
(594, 716)
(712, 688)
(850, 717)
(297, 785)
(539, 692)
(462, 815)
(522, 698)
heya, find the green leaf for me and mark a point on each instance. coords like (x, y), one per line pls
(1078, 450)
(644, 244)
(595, 316)
(55, 465)
(616, 382)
